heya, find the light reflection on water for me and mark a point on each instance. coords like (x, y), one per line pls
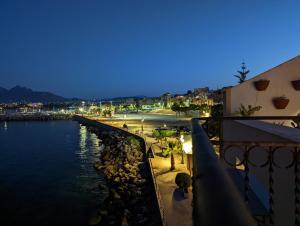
(87, 153)
(47, 176)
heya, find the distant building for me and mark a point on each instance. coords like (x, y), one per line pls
(166, 99)
(201, 96)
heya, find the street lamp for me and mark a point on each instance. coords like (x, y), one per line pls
(182, 152)
(188, 150)
(142, 125)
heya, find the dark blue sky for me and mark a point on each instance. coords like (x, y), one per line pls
(98, 48)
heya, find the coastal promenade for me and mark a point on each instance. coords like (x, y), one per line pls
(175, 209)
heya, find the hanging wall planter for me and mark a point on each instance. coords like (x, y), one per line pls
(280, 102)
(296, 84)
(261, 85)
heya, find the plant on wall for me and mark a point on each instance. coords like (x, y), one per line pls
(296, 84)
(242, 73)
(281, 102)
(249, 110)
(261, 85)
(296, 122)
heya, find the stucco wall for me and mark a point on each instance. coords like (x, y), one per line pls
(280, 84)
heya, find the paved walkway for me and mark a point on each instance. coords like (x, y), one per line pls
(177, 210)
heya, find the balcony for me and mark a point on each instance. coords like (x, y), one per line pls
(246, 171)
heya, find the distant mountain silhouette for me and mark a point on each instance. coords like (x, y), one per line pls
(3, 91)
(23, 94)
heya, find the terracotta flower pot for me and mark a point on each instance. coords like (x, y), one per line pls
(296, 84)
(280, 102)
(261, 85)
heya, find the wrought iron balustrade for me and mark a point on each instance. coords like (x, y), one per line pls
(251, 159)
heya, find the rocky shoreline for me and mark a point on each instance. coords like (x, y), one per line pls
(131, 200)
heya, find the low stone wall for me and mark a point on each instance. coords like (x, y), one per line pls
(105, 127)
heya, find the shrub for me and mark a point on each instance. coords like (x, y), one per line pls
(217, 110)
(133, 141)
(296, 122)
(249, 110)
(183, 180)
(168, 132)
(165, 152)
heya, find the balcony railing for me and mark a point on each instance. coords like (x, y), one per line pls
(215, 198)
(224, 197)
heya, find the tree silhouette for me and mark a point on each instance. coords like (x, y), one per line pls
(243, 73)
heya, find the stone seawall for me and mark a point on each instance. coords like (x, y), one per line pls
(105, 127)
(132, 200)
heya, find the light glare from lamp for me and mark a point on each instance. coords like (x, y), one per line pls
(187, 147)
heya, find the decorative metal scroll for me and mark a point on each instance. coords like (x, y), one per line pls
(244, 150)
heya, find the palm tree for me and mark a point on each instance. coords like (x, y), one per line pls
(171, 147)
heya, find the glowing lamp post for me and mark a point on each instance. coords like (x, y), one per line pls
(142, 121)
(188, 150)
(182, 152)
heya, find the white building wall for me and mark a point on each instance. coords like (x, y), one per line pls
(280, 85)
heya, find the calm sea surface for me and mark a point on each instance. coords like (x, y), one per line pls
(46, 174)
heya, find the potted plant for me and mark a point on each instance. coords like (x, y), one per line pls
(183, 181)
(280, 102)
(296, 84)
(261, 84)
(249, 111)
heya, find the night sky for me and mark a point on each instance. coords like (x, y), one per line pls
(98, 48)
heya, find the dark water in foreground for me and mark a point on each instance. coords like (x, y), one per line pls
(46, 174)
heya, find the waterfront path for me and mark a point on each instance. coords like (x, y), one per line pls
(176, 210)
